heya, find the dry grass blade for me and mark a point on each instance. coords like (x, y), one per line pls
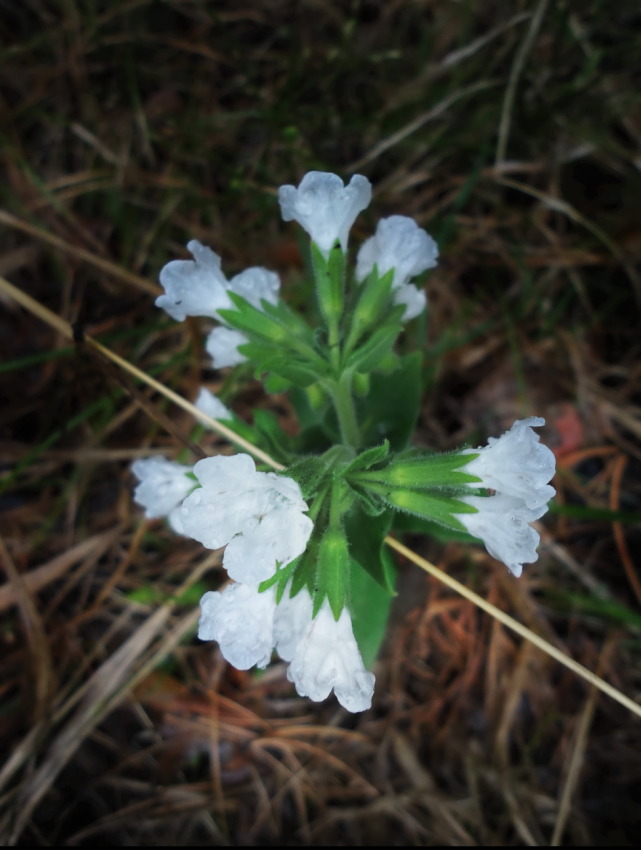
(575, 764)
(105, 265)
(104, 690)
(41, 668)
(34, 580)
(515, 626)
(64, 328)
(515, 73)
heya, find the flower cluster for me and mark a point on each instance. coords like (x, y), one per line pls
(518, 467)
(258, 516)
(296, 579)
(322, 650)
(325, 207)
(199, 288)
(399, 245)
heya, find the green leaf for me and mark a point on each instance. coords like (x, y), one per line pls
(271, 436)
(391, 409)
(370, 607)
(366, 535)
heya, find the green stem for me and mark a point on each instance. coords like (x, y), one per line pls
(342, 396)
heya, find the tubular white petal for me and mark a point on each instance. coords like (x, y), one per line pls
(241, 620)
(516, 464)
(259, 516)
(326, 658)
(194, 287)
(278, 535)
(222, 345)
(292, 619)
(163, 485)
(414, 299)
(255, 285)
(502, 524)
(212, 405)
(325, 207)
(399, 244)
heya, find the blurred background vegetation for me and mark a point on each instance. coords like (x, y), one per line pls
(511, 132)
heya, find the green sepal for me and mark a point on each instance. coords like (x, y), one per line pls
(368, 356)
(295, 371)
(309, 473)
(275, 384)
(362, 384)
(290, 319)
(332, 573)
(434, 506)
(329, 276)
(251, 321)
(373, 295)
(410, 523)
(366, 459)
(424, 472)
(305, 573)
(372, 504)
(280, 577)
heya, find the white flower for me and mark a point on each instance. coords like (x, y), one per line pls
(163, 485)
(241, 620)
(255, 285)
(413, 298)
(325, 207)
(516, 464)
(323, 652)
(328, 657)
(199, 288)
(502, 524)
(194, 287)
(291, 621)
(210, 404)
(222, 345)
(401, 245)
(258, 516)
